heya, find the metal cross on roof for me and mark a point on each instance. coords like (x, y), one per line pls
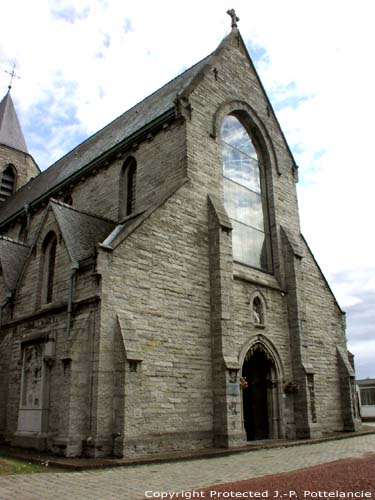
(12, 75)
(234, 17)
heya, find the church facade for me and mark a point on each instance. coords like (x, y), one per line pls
(156, 291)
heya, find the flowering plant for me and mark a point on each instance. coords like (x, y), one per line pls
(244, 384)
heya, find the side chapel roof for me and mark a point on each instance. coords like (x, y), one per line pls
(81, 231)
(12, 258)
(10, 128)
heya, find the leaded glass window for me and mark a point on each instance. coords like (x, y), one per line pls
(245, 196)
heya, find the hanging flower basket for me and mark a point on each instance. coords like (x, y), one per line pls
(244, 384)
(291, 388)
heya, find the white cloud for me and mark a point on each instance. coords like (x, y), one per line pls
(83, 63)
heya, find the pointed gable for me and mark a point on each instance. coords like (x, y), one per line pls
(12, 258)
(81, 231)
(130, 126)
(10, 128)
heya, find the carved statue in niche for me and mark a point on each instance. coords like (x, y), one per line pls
(32, 376)
(258, 311)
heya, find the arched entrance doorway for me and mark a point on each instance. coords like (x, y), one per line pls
(260, 395)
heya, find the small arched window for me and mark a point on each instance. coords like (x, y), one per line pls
(245, 196)
(68, 199)
(49, 258)
(258, 313)
(8, 182)
(127, 187)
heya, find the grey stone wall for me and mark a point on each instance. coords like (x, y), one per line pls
(23, 162)
(158, 167)
(324, 330)
(158, 279)
(161, 324)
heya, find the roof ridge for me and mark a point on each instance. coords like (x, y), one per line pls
(11, 240)
(84, 212)
(128, 111)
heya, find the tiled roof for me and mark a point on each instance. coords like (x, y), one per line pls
(81, 231)
(125, 126)
(12, 257)
(10, 128)
(366, 382)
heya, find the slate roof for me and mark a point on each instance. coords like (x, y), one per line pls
(81, 231)
(10, 128)
(122, 128)
(12, 257)
(366, 382)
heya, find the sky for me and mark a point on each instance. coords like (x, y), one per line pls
(81, 64)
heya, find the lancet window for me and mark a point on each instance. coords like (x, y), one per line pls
(127, 187)
(245, 195)
(49, 258)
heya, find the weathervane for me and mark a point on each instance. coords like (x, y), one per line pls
(233, 15)
(12, 75)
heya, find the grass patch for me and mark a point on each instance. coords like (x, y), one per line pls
(15, 466)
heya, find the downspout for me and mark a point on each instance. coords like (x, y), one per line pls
(27, 212)
(75, 267)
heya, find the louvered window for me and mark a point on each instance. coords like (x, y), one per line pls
(8, 183)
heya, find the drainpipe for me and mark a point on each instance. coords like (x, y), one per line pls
(27, 212)
(75, 267)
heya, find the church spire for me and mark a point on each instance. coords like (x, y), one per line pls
(10, 128)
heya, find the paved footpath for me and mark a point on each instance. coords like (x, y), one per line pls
(132, 482)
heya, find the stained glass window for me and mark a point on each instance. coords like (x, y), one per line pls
(245, 196)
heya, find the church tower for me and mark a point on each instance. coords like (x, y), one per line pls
(17, 166)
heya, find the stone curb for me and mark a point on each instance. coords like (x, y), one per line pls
(80, 464)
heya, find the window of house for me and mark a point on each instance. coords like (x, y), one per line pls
(8, 182)
(127, 187)
(49, 257)
(245, 196)
(368, 396)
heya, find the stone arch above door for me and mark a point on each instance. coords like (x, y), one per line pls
(261, 342)
(262, 397)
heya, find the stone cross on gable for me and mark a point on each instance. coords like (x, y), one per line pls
(234, 17)
(12, 75)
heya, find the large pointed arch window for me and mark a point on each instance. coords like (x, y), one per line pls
(245, 196)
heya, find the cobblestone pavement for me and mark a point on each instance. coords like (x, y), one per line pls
(132, 482)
